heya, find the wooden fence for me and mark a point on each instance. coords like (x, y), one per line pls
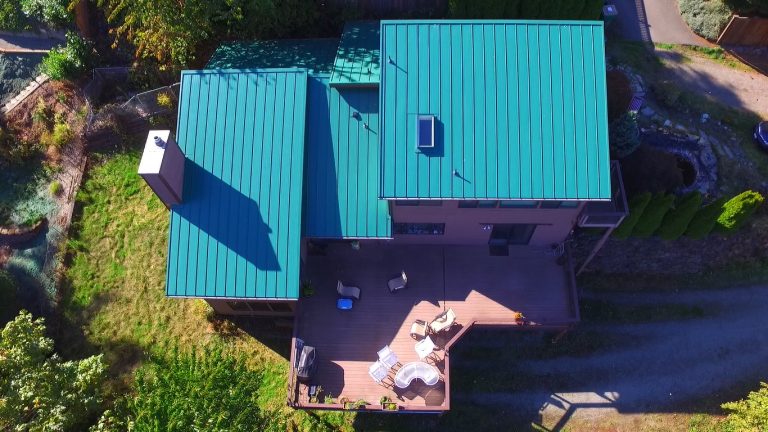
(745, 31)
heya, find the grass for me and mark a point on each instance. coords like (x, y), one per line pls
(114, 290)
(603, 311)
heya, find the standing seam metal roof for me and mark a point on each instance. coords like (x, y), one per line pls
(343, 164)
(237, 233)
(521, 110)
(357, 60)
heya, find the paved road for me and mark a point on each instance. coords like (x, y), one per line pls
(657, 21)
(28, 42)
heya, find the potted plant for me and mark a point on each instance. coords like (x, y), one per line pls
(307, 289)
(519, 318)
(329, 400)
(387, 404)
(315, 397)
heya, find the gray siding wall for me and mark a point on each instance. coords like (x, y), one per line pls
(463, 225)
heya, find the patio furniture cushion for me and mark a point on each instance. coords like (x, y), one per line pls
(344, 304)
(397, 283)
(388, 357)
(425, 347)
(416, 370)
(348, 291)
(443, 321)
(419, 329)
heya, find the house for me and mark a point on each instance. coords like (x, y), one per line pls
(459, 153)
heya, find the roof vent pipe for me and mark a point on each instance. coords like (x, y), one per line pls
(162, 166)
(159, 142)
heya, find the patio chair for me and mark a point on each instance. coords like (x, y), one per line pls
(348, 291)
(379, 372)
(443, 321)
(419, 329)
(397, 283)
(388, 357)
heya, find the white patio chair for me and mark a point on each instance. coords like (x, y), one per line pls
(443, 321)
(348, 291)
(379, 372)
(397, 283)
(388, 357)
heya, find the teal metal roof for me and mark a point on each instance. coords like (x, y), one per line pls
(343, 164)
(357, 60)
(237, 233)
(521, 110)
(314, 54)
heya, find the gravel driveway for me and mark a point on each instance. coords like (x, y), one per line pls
(658, 367)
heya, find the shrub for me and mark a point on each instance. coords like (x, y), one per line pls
(667, 92)
(42, 113)
(748, 6)
(55, 188)
(164, 100)
(705, 18)
(212, 391)
(61, 134)
(637, 206)
(54, 13)
(38, 390)
(653, 215)
(737, 210)
(676, 221)
(69, 61)
(750, 414)
(619, 94)
(526, 9)
(624, 135)
(704, 220)
(650, 170)
(8, 297)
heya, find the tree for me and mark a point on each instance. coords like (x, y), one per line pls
(39, 391)
(11, 17)
(624, 135)
(750, 414)
(705, 219)
(189, 391)
(637, 206)
(677, 220)
(51, 12)
(653, 215)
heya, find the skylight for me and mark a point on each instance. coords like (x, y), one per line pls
(425, 128)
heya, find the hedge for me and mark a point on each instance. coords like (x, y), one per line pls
(676, 221)
(653, 215)
(737, 210)
(704, 221)
(637, 206)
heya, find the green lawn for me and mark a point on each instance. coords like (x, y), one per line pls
(114, 298)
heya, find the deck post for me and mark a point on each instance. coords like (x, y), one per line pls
(596, 249)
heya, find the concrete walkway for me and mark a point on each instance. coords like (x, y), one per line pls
(28, 42)
(656, 21)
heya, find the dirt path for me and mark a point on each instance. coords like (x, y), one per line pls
(652, 368)
(741, 89)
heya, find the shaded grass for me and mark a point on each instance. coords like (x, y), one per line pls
(604, 311)
(114, 290)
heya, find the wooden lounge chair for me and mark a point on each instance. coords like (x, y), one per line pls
(443, 321)
(397, 283)
(348, 291)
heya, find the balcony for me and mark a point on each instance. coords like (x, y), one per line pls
(482, 290)
(607, 214)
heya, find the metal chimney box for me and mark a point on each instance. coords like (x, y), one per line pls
(162, 166)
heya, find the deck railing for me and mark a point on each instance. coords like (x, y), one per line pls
(607, 214)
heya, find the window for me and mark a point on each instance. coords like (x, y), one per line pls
(468, 204)
(569, 204)
(260, 307)
(431, 203)
(519, 204)
(425, 125)
(239, 306)
(550, 204)
(419, 228)
(486, 204)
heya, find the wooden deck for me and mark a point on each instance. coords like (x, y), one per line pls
(481, 289)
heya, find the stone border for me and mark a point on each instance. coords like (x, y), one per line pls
(16, 235)
(24, 94)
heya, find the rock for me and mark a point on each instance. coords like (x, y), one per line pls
(693, 137)
(681, 128)
(704, 117)
(667, 123)
(647, 111)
